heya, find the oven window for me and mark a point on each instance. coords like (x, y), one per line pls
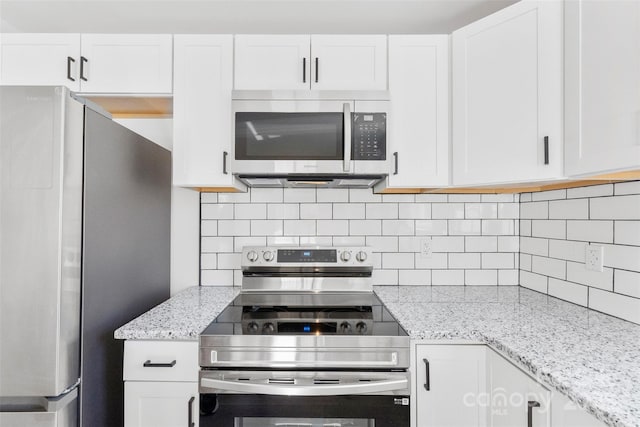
(289, 136)
(302, 422)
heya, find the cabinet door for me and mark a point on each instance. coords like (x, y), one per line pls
(126, 63)
(515, 396)
(419, 117)
(507, 96)
(565, 413)
(450, 389)
(602, 86)
(40, 60)
(272, 62)
(161, 404)
(202, 110)
(349, 62)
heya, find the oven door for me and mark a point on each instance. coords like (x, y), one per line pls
(304, 399)
(291, 137)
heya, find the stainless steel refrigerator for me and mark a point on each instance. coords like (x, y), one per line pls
(84, 248)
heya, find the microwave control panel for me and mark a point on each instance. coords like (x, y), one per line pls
(369, 136)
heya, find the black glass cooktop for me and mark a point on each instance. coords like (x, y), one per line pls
(305, 314)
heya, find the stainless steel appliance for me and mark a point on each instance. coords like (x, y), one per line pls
(302, 142)
(306, 343)
(84, 248)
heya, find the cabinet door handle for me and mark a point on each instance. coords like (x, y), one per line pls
(546, 150)
(317, 72)
(70, 60)
(83, 61)
(427, 374)
(530, 405)
(224, 162)
(149, 364)
(190, 422)
(395, 163)
(304, 70)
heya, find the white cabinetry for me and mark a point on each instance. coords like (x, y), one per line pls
(202, 120)
(303, 62)
(516, 399)
(602, 86)
(507, 96)
(90, 63)
(565, 413)
(449, 380)
(161, 384)
(419, 119)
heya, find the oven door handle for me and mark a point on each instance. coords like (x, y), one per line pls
(306, 390)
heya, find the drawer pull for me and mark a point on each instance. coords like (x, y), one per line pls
(427, 374)
(149, 364)
(190, 422)
(530, 405)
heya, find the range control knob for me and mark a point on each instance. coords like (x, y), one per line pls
(268, 328)
(252, 256)
(345, 327)
(361, 256)
(253, 328)
(361, 328)
(345, 256)
(268, 256)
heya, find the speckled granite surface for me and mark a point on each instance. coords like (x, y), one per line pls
(592, 358)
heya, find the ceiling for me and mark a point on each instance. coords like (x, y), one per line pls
(244, 16)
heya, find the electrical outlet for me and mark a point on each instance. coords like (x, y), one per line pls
(426, 247)
(593, 257)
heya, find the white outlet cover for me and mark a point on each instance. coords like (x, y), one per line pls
(426, 247)
(594, 255)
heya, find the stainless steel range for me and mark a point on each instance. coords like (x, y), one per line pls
(306, 343)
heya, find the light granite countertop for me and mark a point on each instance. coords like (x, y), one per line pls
(591, 357)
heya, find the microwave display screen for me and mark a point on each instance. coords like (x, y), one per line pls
(289, 136)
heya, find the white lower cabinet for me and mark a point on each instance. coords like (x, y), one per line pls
(565, 413)
(161, 383)
(449, 381)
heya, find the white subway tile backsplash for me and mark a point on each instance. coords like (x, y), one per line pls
(236, 227)
(336, 227)
(358, 195)
(229, 261)
(508, 244)
(382, 211)
(216, 277)
(447, 210)
(208, 197)
(316, 240)
(525, 227)
(622, 306)
(435, 261)
(617, 207)
(234, 197)
(332, 195)
(568, 291)
(554, 229)
(508, 210)
(383, 243)
(216, 244)
(269, 227)
(240, 242)
(480, 210)
(627, 233)
(349, 241)
(208, 228)
(267, 195)
(316, 211)
(281, 240)
(590, 231)
(549, 195)
(398, 198)
(525, 262)
(534, 210)
(549, 267)
(591, 191)
(577, 273)
(208, 261)
(397, 260)
(464, 198)
(623, 257)
(431, 227)
(447, 277)
(569, 209)
(621, 188)
(431, 198)
(465, 227)
(498, 260)
(409, 243)
(499, 198)
(498, 227)
(464, 260)
(509, 277)
(567, 250)
(525, 197)
(349, 211)
(627, 283)
(283, 211)
(414, 277)
(365, 227)
(401, 227)
(534, 246)
(481, 243)
(302, 227)
(385, 277)
(533, 281)
(299, 195)
(216, 211)
(414, 210)
(250, 211)
(481, 277)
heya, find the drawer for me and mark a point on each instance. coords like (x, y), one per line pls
(160, 360)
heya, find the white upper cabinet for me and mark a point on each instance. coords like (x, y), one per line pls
(40, 60)
(90, 63)
(272, 62)
(203, 81)
(507, 96)
(126, 63)
(303, 62)
(602, 86)
(418, 128)
(353, 62)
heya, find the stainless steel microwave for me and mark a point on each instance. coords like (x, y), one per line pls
(305, 137)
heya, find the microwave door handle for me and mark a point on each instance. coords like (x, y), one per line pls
(346, 109)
